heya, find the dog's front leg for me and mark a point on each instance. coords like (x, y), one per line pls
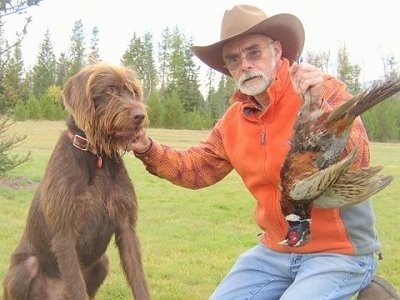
(69, 267)
(129, 250)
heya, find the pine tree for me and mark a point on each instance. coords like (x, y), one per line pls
(44, 71)
(347, 72)
(13, 85)
(13, 76)
(390, 67)
(164, 55)
(183, 74)
(139, 56)
(173, 111)
(62, 69)
(190, 87)
(155, 110)
(94, 55)
(320, 60)
(219, 101)
(77, 49)
(7, 143)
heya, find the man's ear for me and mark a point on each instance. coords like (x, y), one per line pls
(278, 49)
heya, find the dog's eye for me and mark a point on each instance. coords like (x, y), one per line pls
(129, 93)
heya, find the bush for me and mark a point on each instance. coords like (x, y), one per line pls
(43, 109)
(9, 162)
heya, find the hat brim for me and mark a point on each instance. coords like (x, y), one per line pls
(285, 28)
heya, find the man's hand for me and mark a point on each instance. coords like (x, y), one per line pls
(307, 78)
(141, 144)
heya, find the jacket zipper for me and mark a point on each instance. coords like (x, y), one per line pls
(262, 138)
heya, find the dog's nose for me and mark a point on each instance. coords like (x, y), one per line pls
(138, 115)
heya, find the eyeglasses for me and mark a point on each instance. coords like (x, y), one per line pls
(233, 62)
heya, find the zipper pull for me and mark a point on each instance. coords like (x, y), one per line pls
(262, 139)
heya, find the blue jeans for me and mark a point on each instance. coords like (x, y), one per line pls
(261, 273)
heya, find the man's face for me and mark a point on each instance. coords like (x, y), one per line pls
(252, 60)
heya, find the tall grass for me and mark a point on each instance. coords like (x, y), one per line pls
(190, 239)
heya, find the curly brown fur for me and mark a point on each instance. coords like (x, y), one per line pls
(85, 197)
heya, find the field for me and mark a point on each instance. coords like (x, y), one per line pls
(189, 239)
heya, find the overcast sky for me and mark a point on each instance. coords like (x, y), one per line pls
(369, 28)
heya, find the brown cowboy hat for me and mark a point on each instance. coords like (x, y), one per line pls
(246, 19)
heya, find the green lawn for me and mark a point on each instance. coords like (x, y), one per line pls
(189, 239)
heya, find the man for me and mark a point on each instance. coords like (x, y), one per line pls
(252, 137)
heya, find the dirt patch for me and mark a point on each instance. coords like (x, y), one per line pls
(18, 183)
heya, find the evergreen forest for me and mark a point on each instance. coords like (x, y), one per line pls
(178, 94)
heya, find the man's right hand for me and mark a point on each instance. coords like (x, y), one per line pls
(141, 143)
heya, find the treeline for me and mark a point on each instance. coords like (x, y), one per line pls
(171, 84)
(170, 76)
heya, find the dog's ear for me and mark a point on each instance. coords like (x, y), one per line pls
(77, 98)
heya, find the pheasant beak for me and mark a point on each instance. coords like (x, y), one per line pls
(298, 233)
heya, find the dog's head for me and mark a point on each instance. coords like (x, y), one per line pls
(106, 103)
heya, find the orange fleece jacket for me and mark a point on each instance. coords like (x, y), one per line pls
(255, 144)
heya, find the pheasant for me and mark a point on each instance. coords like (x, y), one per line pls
(314, 174)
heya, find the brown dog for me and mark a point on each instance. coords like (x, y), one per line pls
(85, 197)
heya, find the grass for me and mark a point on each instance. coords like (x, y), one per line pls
(189, 239)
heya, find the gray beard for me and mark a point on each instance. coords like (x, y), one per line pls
(254, 89)
(259, 88)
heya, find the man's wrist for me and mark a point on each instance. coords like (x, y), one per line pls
(147, 148)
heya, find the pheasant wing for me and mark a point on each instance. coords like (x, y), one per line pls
(354, 187)
(314, 185)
